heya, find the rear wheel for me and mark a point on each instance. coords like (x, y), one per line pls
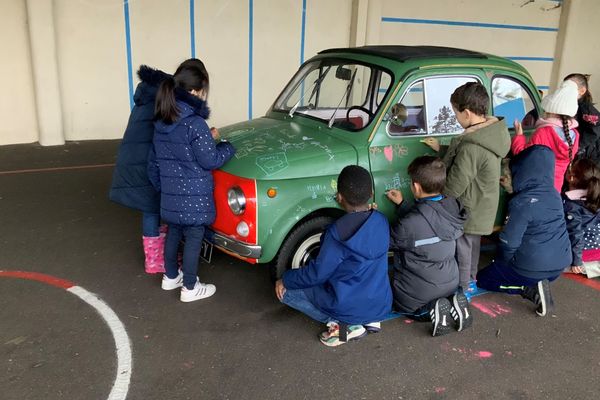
(301, 246)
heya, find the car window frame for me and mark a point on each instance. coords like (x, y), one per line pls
(524, 86)
(424, 79)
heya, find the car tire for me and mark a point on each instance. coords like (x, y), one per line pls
(300, 246)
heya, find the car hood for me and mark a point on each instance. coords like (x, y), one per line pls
(267, 148)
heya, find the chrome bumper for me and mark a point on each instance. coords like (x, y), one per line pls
(234, 246)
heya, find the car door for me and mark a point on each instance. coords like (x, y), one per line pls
(421, 109)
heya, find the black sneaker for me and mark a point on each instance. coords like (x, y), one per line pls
(441, 317)
(461, 314)
(540, 296)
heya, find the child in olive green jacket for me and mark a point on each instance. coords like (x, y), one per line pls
(473, 162)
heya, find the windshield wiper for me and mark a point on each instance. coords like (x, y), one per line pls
(346, 94)
(315, 87)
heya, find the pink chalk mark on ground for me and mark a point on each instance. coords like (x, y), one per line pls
(440, 390)
(408, 321)
(389, 153)
(490, 308)
(483, 354)
(467, 354)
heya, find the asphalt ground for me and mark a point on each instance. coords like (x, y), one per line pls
(241, 343)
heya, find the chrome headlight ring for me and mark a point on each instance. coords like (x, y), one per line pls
(236, 200)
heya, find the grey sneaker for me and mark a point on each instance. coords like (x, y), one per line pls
(540, 296)
(461, 314)
(441, 317)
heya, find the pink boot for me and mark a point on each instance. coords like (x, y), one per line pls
(154, 250)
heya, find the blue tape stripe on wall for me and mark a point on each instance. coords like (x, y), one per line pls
(192, 29)
(303, 32)
(128, 48)
(543, 87)
(250, 44)
(464, 23)
(520, 58)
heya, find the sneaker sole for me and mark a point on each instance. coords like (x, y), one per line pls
(438, 328)
(171, 287)
(463, 317)
(545, 301)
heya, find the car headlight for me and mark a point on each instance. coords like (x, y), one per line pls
(236, 200)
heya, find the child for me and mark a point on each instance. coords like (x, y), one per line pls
(534, 245)
(424, 245)
(581, 204)
(180, 167)
(347, 285)
(473, 162)
(130, 185)
(588, 118)
(556, 130)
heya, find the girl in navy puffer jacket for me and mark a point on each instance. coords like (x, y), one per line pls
(180, 167)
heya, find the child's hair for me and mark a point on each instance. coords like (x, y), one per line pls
(582, 80)
(587, 176)
(190, 75)
(471, 96)
(355, 185)
(565, 122)
(429, 172)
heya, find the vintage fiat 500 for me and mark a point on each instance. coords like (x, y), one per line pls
(370, 106)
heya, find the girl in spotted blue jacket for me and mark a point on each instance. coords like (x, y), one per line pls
(180, 166)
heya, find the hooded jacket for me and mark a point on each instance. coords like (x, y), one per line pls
(534, 241)
(549, 132)
(588, 118)
(583, 227)
(473, 163)
(130, 184)
(424, 245)
(349, 278)
(181, 162)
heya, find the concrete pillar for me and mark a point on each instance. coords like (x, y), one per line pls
(575, 44)
(44, 60)
(358, 23)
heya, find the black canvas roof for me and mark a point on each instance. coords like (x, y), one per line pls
(404, 53)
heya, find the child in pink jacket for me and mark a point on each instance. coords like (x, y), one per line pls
(555, 130)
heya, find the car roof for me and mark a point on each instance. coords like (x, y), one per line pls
(405, 53)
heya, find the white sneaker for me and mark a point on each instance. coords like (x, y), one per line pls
(200, 291)
(170, 284)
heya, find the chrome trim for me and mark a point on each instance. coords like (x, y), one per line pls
(235, 246)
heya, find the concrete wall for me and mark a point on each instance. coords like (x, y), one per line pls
(252, 47)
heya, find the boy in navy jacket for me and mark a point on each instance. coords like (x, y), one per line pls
(347, 285)
(534, 245)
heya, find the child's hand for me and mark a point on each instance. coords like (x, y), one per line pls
(576, 269)
(215, 133)
(395, 196)
(432, 142)
(373, 206)
(518, 127)
(279, 289)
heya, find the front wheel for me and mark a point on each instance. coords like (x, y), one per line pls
(301, 246)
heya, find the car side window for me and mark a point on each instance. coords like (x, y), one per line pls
(408, 116)
(440, 116)
(513, 102)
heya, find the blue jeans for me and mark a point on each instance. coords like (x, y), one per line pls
(150, 224)
(299, 300)
(191, 252)
(500, 277)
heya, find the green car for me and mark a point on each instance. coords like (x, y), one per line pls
(372, 106)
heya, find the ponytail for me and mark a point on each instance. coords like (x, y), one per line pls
(586, 176)
(165, 108)
(565, 122)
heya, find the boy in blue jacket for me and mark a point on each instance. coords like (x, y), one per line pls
(347, 285)
(534, 245)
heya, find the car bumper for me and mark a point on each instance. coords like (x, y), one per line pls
(233, 246)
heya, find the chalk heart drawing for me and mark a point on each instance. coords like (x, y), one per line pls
(389, 153)
(272, 163)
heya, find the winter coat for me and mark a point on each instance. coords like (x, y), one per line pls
(473, 163)
(130, 184)
(588, 118)
(534, 241)
(181, 163)
(583, 227)
(549, 132)
(349, 278)
(424, 246)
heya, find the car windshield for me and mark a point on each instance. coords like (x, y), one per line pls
(343, 94)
